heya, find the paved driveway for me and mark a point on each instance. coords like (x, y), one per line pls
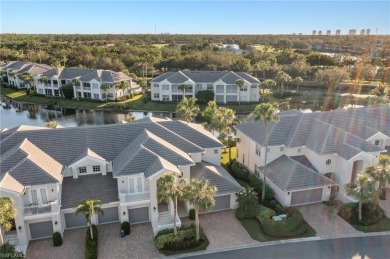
(325, 220)
(223, 229)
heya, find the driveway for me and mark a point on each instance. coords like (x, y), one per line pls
(223, 229)
(325, 220)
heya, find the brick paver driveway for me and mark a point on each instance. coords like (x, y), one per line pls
(325, 220)
(223, 229)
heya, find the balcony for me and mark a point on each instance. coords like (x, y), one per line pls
(134, 197)
(33, 210)
(86, 88)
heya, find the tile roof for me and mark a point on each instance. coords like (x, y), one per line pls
(95, 186)
(291, 175)
(26, 67)
(217, 176)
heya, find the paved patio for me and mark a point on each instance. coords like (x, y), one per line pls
(223, 229)
(325, 220)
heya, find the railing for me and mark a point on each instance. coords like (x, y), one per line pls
(133, 197)
(86, 88)
(41, 209)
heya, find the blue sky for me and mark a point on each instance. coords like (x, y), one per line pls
(193, 17)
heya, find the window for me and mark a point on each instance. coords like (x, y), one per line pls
(136, 184)
(231, 89)
(231, 98)
(156, 96)
(104, 96)
(189, 88)
(56, 93)
(198, 86)
(82, 170)
(377, 142)
(220, 89)
(165, 87)
(328, 162)
(96, 168)
(86, 84)
(215, 151)
(55, 82)
(63, 82)
(95, 96)
(48, 92)
(165, 97)
(244, 88)
(87, 95)
(258, 150)
(253, 86)
(210, 87)
(38, 196)
(110, 95)
(155, 85)
(79, 94)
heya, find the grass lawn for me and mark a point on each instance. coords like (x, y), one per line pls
(381, 225)
(201, 247)
(253, 228)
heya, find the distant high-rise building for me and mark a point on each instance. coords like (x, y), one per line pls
(363, 32)
(368, 31)
(338, 32)
(300, 34)
(352, 32)
(314, 32)
(328, 32)
(319, 32)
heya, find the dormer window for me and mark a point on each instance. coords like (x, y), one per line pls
(82, 170)
(96, 168)
(377, 142)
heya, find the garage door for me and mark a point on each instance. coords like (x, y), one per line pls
(139, 215)
(41, 230)
(109, 215)
(222, 203)
(75, 221)
(307, 196)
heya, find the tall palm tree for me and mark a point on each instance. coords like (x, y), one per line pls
(28, 79)
(297, 81)
(122, 85)
(364, 189)
(208, 113)
(187, 109)
(269, 84)
(105, 87)
(89, 208)
(169, 187)
(381, 172)
(282, 78)
(183, 88)
(7, 214)
(267, 113)
(201, 194)
(240, 83)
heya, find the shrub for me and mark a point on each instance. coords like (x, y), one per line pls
(371, 214)
(91, 245)
(192, 214)
(248, 213)
(257, 184)
(170, 230)
(239, 172)
(184, 239)
(67, 90)
(28, 91)
(205, 96)
(126, 227)
(9, 251)
(346, 210)
(57, 239)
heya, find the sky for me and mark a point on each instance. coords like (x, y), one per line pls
(193, 17)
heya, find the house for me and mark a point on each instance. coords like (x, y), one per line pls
(46, 172)
(87, 83)
(312, 156)
(15, 69)
(232, 48)
(166, 87)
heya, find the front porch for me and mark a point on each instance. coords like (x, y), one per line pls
(165, 217)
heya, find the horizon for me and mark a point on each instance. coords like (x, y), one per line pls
(204, 17)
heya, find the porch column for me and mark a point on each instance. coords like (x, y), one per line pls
(153, 201)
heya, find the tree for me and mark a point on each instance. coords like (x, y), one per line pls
(381, 92)
(246, 198)
(266, 113)
(205, 96)
(208, 113)
(381, 173)
(129, 117)
(14, 74)
(122, 85)
(241, 64)
(297, 81)
(240, 83)
(187, 109)
(44, 79)
(183, 88)
(201, 194)
(282, 78)
(262, 66)
(75, 83)
(169, 187)
(89, 208)
(7, 214)
(105, 87)
(364, 189)
(269, 84)
(332, 77)
(9, 251)
(28, 79)
(51, 124)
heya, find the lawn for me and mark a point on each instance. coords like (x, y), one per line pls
(381, 225)
(253, 227)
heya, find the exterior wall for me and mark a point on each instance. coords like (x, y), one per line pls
(233, 201)
(88, 162)
(196, 157)
(211, 157)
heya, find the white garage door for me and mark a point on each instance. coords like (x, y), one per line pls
(75, 221)
(41, 229)
(307, 196)
(139, 215)
(109, 215)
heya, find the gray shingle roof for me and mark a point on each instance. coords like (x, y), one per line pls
(26, 67)
(290, 175)
(96, 186)
(217, 176)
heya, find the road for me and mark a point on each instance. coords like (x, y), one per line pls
(351, 247)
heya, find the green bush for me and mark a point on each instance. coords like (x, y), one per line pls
(239, 172)
(192, 214)
(183, 240)
(9, 251)
(257, 184)
(28, 91)
(91, 245)
(346, 210)
(205, 96)
(57, 239)
(371, 214)
(126, 227)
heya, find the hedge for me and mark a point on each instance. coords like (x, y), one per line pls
(57, 239)
(170, 230)
(91, 245)
(239, 172)
(183, 240)
(205, 96)
(126, 227)
(248, 213)
(257, 184)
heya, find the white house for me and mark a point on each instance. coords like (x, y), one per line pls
(46, 172)
(314, 155)
(166, 87)
(87, 83)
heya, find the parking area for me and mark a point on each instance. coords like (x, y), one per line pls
(324, 220)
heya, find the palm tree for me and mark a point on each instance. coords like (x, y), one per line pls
(262, 66)
(169, 187)
(122, 85)
(14, 74)
(187, 109)
(89, 208)
(282, 78)
(246, 198)
(7, 214)
(105, 87)
(183, 88)
(51, 124)
(267, 113)
(44, 79)
(240, 83)
(208, 113)
(75, 83)
(28, 79)
(381, 172)
(364, 189)
(381, 92)
(269, 84)
(297, 81)
(201, 194)
(129, 117)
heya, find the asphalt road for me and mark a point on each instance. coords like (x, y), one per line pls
(351, 247)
